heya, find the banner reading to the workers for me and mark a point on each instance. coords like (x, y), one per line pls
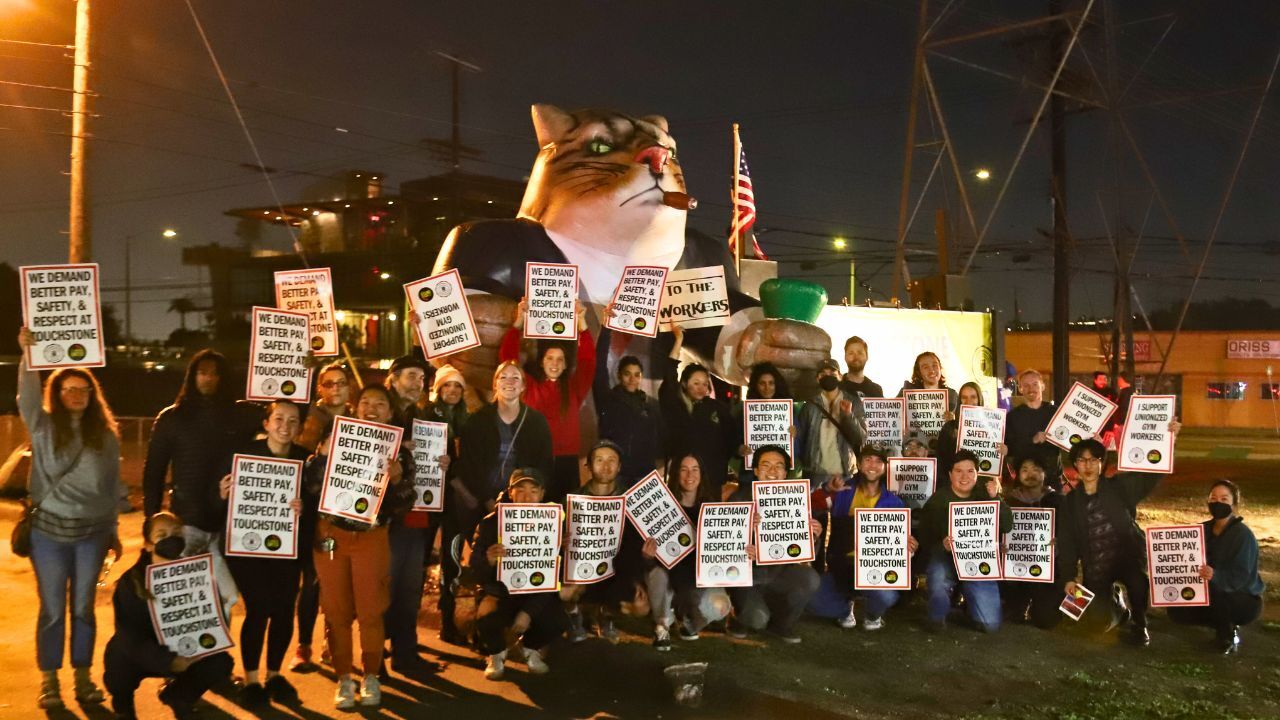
(430, 442)
(724, 531)
(60, 306)
(1028, 552)
(782, 533)
(311, 292)
(926, 412)
(185, 609)
(551, 296)
(881, 558)
(260, 521)
(595, 534)
(653, 510)
(441, 315)
(278, 356)
(530, 538)
(975, 539)
(356, 478)
(1175, 554)
(767, 422)
(1082, 415)
(1146, 445)
(694, 298)
(913, 479)
(886, 422)
(637, 299)
(981, 431)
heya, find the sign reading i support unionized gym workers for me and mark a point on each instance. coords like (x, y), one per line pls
(656, 515)
(430, 441)
(530, 537)
(886, 422)
(1175, 554)
(185, 610)
(881, 559)
(595, 534)
(1028, 554)
(1081, 416)
(913, 479)
(981, 431)
(260, 522)
(724, 531)
(975, 539)
(311, 292)
(782, 533)
(278, 356)
(1146, 445)
(551, 296)
(926, 411)
(60, 307)
(694, 298)
(441, 315)
(767, 422)
(636, 301)
(355, 480)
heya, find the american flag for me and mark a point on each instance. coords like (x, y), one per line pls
(744, 202)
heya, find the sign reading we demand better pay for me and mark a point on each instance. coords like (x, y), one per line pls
(355, 480)
(60, 308)
(530, 537)
(185, 609)
(551, 296)
(278, 356)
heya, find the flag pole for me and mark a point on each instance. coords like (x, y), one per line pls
(737, 241)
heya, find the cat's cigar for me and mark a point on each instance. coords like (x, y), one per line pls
(679, 200)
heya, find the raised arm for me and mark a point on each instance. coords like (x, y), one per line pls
(30, 402)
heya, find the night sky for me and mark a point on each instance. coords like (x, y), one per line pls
(820, 89)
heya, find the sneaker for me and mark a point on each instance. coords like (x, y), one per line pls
(87, 691)
(533, 659)
(686, 632)
(494, 665)
(850, 620)
(254, 695)
(787, 635)
(577, 633)
(735, 629)
(302, 662)
(609, 632)
(345, 696)
(1230, 644)
(281, 690)
(50, 696)
(1139, 636)
(661, 638)
(370, 691)
(872, 624)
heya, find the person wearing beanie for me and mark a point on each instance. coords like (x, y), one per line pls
(447, 405)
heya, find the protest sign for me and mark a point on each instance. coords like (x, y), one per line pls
(975, 539)
(1081, 415)
(530, 537)
(636, 301)
(430, 441)
(767, 422)
(185, 609)
(1175, 554)
(913, 479)
(441, 315)
(260, 522)
(926, 412)
(881, 560)
(60, 307)
(724, 531)
(278, 356)
(355, 480)
(551, 297)
(595, 534)
(981, 431)
(1146, 445)
(311, 292)
(1074, 605)
(1028, 554)
(886, 422)
(782, 533)
(694, 298)
(654, 512)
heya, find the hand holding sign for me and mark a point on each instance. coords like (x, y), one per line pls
(61, 307)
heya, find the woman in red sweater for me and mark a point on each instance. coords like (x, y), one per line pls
(557, 389)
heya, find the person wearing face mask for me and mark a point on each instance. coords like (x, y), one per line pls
(696, 422)
(559, 381)
(628, 416)
(133, 653)
(831, 428)
(447, 405)
(1235, 586)
(1036, 603)
(855, 382)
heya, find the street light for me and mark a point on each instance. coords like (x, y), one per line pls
(982, 174)
(170, 233)
(840, 243)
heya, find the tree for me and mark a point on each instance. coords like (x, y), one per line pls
(112, 335)
(183, 306)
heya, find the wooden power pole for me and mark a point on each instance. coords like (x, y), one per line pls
(81, 240)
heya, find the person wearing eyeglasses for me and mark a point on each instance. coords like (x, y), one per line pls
(333, 396)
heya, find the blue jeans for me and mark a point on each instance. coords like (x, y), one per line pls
(982, 597)
(59, 565)
(879, 602)
(408, 548)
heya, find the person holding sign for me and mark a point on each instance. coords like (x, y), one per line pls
(447, 405)
(72, 517)
(970, 394)
(1098, 529)
(134, 653)
(1029, 601)
(537, 619)
(696, 422)
(1026, 423)
(926, 374)
(1235, 587)
(832, 427)
(559, 381)
(604, 461)
(333, 394)
(628, 416)
(982, 597)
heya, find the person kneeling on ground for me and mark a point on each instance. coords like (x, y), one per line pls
(534, 620)
(1033, 602)
(604, 462)
(134, 654)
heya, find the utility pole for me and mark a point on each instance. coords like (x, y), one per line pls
(1061, 237)
(900, 274)
(455, 149)
(81, 242)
